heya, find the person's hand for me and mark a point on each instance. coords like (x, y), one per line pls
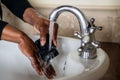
(49, 71)
(26, 45)
(41, 25)
(41, 68)
(30, 50)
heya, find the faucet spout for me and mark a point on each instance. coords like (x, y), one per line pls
(80, 16)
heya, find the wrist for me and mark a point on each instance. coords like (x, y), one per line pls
(30, 16)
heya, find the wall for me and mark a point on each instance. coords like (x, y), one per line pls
(81, 3)
(106, 13)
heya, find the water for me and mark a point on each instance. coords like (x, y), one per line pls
(51, 26)
(64, 67)
(59, 68)
(51, 33)
(89, 64)
(58, 72)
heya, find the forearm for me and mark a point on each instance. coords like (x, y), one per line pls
(9, 33)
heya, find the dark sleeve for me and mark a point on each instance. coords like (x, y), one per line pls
(17, 7)
(2, 25)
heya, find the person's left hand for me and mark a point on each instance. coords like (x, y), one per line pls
(41, 25)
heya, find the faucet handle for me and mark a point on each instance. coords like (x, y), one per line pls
(99, 28)
(92, 20)
(93, 27)
(96, 44)
(77, 34)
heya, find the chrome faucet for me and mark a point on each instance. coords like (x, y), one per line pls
(88, 45)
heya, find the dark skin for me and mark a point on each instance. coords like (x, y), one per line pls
(27, 46)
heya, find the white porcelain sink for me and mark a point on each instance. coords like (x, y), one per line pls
(68, 65)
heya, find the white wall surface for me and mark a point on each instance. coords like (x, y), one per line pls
(81, 3)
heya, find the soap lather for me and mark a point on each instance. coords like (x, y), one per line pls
(44, 51)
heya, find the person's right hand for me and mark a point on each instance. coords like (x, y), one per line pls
(29, 48)
(41, 68)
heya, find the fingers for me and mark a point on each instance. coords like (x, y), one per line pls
(55, 31)
(42, 27)
(36, 29)
(49, 72)
(42, 39)
(36, 65)
(40, 68)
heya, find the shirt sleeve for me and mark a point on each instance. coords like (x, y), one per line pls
(2, 25)
(17, 7)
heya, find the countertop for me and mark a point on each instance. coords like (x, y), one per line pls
(113, 51)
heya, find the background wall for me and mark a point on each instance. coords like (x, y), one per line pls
(106, 13)
(81, 3)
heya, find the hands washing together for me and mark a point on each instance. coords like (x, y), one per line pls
(9, 33)
(41, 25)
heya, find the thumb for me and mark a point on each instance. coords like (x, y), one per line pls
(36, 29)
(42, 39)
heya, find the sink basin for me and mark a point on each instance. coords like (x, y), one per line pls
(68, 65)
